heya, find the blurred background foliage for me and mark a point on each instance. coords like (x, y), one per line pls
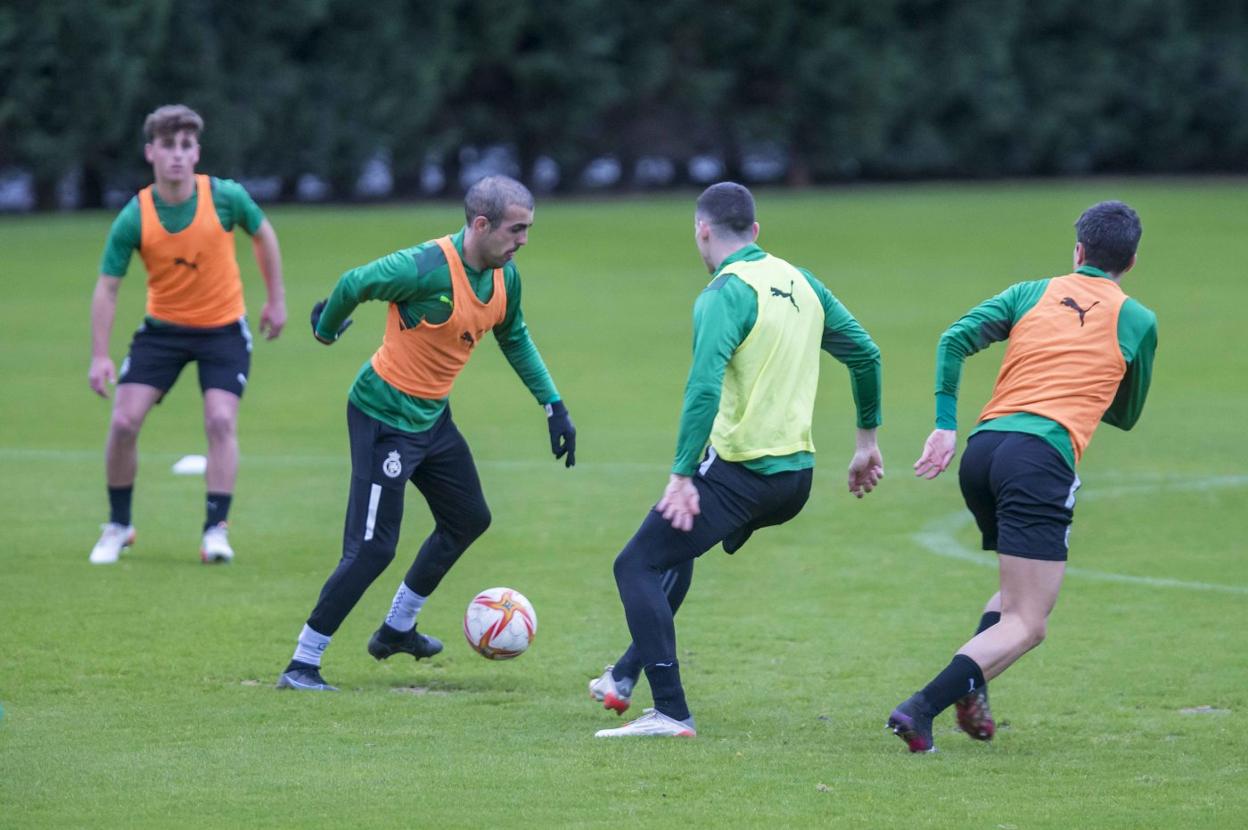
(828, 91)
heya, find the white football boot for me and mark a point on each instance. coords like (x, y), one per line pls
(113, 540)
(614, 696)
(215, 547)
(653, 724)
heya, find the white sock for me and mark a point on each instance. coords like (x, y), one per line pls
(403, 610)
(311, 646)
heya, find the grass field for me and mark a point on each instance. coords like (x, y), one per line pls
(140, 695)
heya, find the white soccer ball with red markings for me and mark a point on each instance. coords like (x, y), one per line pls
(500, 623)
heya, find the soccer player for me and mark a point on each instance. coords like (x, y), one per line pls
(758, 328)
(1080, 352)
(444, 296)
(183, 228)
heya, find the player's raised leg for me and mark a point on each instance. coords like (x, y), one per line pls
(614, 687)
(1029, 589)
(121, 461)
(221, 428)
(655, 548)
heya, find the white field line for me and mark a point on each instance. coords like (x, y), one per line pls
(939, 536)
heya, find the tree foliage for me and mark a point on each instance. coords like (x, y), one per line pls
(850, 89)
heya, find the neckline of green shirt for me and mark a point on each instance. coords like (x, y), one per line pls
(745, 253)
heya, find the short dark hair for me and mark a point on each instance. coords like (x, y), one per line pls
(170, 120)
(727, 206)
(1110, 233)
(490, 197)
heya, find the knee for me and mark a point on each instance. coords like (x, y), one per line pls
(125, 425)
(1034, 632)
(219, 425)
(476, 522)
(628, 565)
(375, 555)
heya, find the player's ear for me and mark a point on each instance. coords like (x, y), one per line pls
(754, 230)
(1130, 265)
(480, 224)
(147, 152)
(1080, 255)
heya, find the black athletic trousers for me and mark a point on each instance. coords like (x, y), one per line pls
(383, 460)
(732, 499)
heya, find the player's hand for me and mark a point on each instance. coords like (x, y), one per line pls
(866, 468)
(562, 433)
(316, 318)
(937, 453)
(101, 374)
(680, 503)
(273, 319)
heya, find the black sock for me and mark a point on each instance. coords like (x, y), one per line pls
(119, 504)
(218, 509)
(665, 688)
(961, 677)
(988, 620)
(628, 667)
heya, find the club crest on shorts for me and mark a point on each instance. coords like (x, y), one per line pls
(392, 466)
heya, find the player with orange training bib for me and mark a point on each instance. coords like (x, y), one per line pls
(1080, 352)
(444, 296)
(183, 228)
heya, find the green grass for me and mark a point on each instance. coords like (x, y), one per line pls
(141, 695)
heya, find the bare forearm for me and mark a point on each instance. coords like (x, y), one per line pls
(269, 258)
(103, 311)
(865, 439)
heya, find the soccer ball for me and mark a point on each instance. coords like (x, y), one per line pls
(500, 623)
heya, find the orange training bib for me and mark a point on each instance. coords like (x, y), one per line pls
(192, 275)
(424, 361)
(1063, 360)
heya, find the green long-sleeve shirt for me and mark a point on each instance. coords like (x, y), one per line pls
(723, 316)
(418, 281)
(233, 204)
(992, 320)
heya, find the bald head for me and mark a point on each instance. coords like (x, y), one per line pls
(490, 197)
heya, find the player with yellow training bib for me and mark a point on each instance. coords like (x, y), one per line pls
(745, 455)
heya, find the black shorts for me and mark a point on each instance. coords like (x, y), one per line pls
(733, 500)
(159, 351)
(1021, 492)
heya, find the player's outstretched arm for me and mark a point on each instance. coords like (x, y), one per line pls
(866, 468)
(938, 451)
(103, 310)
(269, 258)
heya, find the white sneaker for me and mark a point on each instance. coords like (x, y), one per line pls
(113, 539)
(614, 696)
(653, 724)
(216, 546)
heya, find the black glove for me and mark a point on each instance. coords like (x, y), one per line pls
(316, 318)
(562, 433)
